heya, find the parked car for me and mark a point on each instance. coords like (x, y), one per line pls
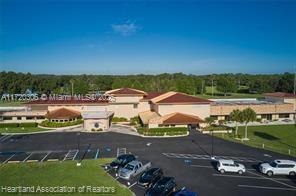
(278, 167)
(230, 166)
(163, 187)
(133, 169)
(149, 177)
(184, 192)
(121, 161)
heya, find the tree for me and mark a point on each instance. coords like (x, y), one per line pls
(236, 116)
(209, 120)
(248, 115)
(226, 85)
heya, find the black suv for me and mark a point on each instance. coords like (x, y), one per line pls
(122, 160)
(149, 177)
(163, 187)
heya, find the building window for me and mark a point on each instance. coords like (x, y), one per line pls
(284, 115)
(19, 118)
(7, 118)
(30, 117)
(266, 116)
(135, 106)
(214, 117)
(40, 117)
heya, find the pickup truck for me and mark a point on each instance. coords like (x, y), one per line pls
(133, 169)
(120, 161)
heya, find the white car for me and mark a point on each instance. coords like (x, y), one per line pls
(230, 166)
(278, 167)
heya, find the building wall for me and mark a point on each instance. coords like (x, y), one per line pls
(128, 99)
(200, 110)
(22, 120)
(291, 101)
(222, 110)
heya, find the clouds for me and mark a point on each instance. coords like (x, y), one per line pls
(125, 29)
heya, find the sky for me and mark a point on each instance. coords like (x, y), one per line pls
(147, 37)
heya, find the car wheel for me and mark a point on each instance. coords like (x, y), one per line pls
(240, 172)
(222, 171)
(269, 173)
(292, 173)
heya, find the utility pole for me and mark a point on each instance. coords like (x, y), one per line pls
(72, 87)
(212, 87)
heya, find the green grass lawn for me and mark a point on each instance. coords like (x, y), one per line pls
(20, 130)
(219, 95)
(52, 174)
(277, 138)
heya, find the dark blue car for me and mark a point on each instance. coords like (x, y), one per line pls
(185, 192)
(163, 187)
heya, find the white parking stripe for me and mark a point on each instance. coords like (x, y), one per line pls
(208, 157)
(66, 155)
(27, 158)
(265, 187)
(203, 166)
(132, 185)
(5, 137)
(272, 180)
(75, 154)
(9, 158)
(250, 177)
(45, 157)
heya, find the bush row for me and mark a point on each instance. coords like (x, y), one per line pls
(14, 125)
(171, 131)
(47, 123)
(119, 119)
(216, 128)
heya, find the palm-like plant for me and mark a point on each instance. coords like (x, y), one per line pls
(236, 116)
(209, 120)
(248, 115)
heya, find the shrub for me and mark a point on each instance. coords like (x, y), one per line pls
(119, 119)
(9, 125)
(170, 131)
(47, 123)
(135, 120)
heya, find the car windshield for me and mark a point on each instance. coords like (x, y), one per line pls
(118, 161)
(129, 167)
(273, 164)
(146, 176)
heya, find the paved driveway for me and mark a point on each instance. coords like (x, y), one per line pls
(171, 154)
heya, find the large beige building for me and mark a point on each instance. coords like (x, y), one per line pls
(155, 109)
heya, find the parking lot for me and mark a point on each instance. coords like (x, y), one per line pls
(188, 159)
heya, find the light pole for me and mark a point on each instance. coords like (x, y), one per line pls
(78, 140)
(212, 154)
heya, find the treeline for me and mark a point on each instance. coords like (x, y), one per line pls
(11, 82)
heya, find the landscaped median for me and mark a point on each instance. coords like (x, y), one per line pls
(47, 178)
(163, 131)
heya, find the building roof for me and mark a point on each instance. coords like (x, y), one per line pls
(97, 114)
(151, 95)
(177, 119)
(62, 113)
(24, 113)
(126, 92)
(66, 102)
(147, 115)
(280, 95)
(179, 98)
